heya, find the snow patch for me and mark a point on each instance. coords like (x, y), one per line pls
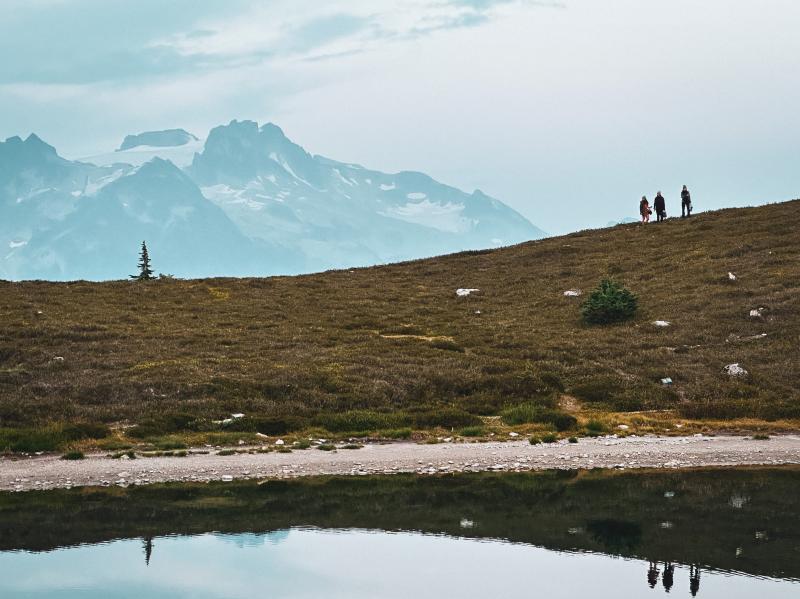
(417, 195)
(442, 217)
(385, 187)
(17, 244)
(180, 156)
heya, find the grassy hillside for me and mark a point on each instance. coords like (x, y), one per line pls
(396, 344)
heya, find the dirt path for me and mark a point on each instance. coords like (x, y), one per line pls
(48, 472)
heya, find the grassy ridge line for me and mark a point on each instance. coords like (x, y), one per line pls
(397, 340)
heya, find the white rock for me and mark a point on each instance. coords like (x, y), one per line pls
(465, 292)
(513, 434)
(279, 442)
(237, 416)
(661, 323)
(731, 276)
(623, 427)
(226, 478)
(572, 293)
(756, 313)
(735, 370)
(666, 381)
(58, 359)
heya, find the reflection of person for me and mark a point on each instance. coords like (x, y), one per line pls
(669, 576)
(694, 580)
(148, 550)
(652, 575)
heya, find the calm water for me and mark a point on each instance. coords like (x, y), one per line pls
(545, 535)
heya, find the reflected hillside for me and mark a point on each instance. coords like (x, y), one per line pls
(744, 520)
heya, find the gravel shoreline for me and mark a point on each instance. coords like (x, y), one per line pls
(50, 472)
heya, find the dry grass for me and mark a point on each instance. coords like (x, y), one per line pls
(396, 340)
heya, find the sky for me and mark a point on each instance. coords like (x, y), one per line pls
(568, 110)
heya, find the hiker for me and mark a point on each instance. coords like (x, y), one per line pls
(686, 202)
(644, 210)
(661, 207)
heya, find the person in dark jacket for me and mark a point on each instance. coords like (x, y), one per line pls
(686, 202)
(660, 206)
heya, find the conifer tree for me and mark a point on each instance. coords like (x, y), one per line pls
(145, 272)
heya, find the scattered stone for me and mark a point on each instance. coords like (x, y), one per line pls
(622, 427)
(573, 293)
(735, 370)
(466, 292)
(513, 434)
(226, 478)
(661, 323)
(58, 359)
(237, 416)
(465, 523)
(757, 313)
(666, 381)
(731, 276)
(279, 442)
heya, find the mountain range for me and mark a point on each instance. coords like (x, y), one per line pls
(245, 201)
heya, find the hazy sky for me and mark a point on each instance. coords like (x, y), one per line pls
(569, 110)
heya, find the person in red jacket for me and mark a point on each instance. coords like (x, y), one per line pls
(644, 210)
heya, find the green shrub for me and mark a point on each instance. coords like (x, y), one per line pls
(302, 444)
(609, 303)
(28, 440)
(760, 437)
(445, 417)
(73, 455)
(398, 433)
(267, 425)
(472, 431)
(573, 439)
(326, 447)
(535, 440)
(595, 426)
(164, 425)
(357, 420)
(549, 438)
(532, 413)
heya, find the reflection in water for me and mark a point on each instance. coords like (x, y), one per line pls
(148, 550)
(558, 522)
(694, 580)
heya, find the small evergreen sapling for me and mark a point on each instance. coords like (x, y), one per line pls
(145, 272)
(610, 302)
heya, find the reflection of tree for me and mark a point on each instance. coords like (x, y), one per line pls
(652, 575)
(617, 536)
(669, 576)
(694, 580)
(148, 550)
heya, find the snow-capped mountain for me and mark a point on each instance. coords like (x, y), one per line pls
(341, 214)
(247, 201)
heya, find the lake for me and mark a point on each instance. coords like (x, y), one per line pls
(705, 533)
